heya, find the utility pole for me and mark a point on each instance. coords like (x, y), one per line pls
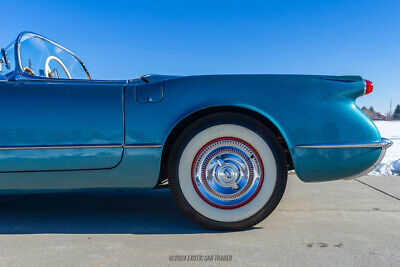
(390, 112)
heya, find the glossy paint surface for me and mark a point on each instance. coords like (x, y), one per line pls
(138, 169)
(59, 159)
(45, 113)
(305, 109)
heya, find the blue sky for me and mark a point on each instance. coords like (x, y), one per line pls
(125, 39)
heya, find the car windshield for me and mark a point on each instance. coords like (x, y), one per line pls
(43, 58)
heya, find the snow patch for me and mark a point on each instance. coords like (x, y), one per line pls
(390, 164)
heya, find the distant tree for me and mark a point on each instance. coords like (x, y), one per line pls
(371, 108)
(365, 110)
(396, 113)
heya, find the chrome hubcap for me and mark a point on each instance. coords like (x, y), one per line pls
(227, 173)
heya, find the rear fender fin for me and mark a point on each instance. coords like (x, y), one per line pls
(346, 86)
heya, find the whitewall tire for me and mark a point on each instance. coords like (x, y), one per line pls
(227, 171)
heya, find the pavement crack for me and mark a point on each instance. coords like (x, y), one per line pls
(377, 189)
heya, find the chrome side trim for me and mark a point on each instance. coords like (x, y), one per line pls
(142, 146)
(384, 143)
(77, 147)
(57, 147)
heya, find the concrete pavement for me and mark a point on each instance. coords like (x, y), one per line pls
(346, 223)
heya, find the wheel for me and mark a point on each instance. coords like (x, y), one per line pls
(227, 171)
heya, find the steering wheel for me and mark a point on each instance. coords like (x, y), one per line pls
(47, 70)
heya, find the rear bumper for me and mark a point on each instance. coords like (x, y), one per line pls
(326, 162)
(383, 144)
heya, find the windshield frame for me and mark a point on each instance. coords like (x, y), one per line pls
(11, 72)
(18, 63)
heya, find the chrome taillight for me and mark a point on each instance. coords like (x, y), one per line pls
(368, 87)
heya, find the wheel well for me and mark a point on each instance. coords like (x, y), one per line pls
(192, 117)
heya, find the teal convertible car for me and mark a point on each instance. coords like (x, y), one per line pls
(223, 143)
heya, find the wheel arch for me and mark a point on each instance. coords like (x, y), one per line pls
(173, 134)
